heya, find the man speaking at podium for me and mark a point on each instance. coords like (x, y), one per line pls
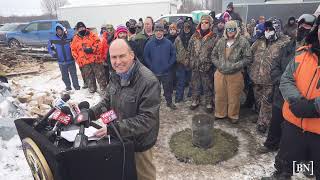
(134, 94)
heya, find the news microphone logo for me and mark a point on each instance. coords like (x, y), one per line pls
(80, 118)
(75, 108)
(61, 117)
(59, 103)
(108, 116)
(301, 167)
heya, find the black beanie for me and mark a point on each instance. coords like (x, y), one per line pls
(268, 24)
(80, 24)
(230, 5)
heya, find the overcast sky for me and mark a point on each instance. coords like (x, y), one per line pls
(33, 7)
(26, 7)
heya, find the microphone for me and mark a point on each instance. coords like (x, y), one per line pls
(39, 125)
(82, 119)
(108, 119)
(62, 117)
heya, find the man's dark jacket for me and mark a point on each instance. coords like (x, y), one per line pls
(136, 102)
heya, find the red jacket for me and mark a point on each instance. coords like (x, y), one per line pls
(104, 47)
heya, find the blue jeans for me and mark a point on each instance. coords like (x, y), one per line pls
(71, 69)
(167, 84)
(183, 75)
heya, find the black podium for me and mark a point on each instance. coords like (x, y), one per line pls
(100, 160)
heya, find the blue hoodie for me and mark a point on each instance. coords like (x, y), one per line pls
(60, 47)
(159, 56)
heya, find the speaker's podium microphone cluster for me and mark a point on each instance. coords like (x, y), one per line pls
(57, 144)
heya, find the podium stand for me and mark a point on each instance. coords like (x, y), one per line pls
(98, 161)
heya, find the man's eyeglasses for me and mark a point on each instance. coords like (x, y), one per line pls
(231, 29)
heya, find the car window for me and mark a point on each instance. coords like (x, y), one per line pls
(174, 19)
(44, 26)
(65, 24)
(32, 27)
(19, 27)
(8, 27)
(163, 19)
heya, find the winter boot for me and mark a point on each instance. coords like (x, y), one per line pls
(171, 106)
(209, 108)
(234, 121)
(68, 88)
(261, 128)
(194, 105)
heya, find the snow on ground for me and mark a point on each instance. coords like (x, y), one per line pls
(246, 165)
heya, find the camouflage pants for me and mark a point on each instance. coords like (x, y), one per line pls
(94, 72)
(85, 84)
(100, 74)
(204, 80)
(263, 96)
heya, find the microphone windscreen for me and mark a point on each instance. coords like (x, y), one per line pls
(66, 110)
(84, 105)
(65, 97)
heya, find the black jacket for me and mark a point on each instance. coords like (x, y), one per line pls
(278, 67)
(141, 40)
(136, 103)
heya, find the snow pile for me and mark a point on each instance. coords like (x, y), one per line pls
(13, 165)
(8, 106)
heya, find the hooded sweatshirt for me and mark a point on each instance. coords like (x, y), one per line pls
(59, 46)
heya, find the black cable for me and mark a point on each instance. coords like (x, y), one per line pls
(123, 146)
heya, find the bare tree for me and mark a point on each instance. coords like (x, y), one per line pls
(51, 6)
(189, 5)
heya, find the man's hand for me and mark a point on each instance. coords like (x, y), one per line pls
(88, 50)
(101, 132)
(52, 47)
(304, 108)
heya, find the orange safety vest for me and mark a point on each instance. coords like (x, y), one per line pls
(307, 77)
(77, 48)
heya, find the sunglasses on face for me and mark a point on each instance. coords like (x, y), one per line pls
(204, 22)
(231, 29)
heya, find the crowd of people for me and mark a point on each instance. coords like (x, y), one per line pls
(275, 65)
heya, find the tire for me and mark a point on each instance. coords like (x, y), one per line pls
(13, 43)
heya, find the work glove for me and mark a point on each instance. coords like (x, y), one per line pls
(52, 47)
(88, 50)
(304, 108)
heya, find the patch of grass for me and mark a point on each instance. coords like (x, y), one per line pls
(225, 147)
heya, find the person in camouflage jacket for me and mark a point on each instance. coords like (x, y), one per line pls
(265, 51)
(200, 48)
(230, 55)
(182, 72)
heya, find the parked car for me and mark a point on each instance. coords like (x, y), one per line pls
(9, 27)
(173, 18)
(196, 15)
(35, 34)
